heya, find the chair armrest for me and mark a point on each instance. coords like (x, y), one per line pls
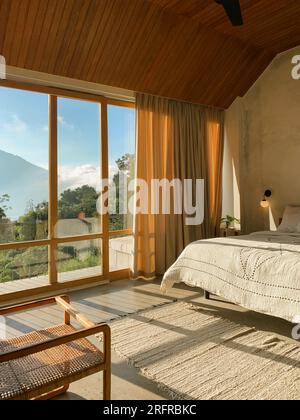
(57, 341)
(26, 306)
(63, 301)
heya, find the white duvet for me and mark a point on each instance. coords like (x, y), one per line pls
(260, 271)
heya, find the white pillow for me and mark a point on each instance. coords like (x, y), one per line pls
(291, 220)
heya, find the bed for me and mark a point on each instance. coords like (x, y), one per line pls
(260, 272)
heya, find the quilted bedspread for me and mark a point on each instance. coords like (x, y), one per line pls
(260, 272)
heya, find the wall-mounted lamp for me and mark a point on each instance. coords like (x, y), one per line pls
(265, 203)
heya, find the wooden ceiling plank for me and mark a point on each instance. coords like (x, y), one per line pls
(72, 35)
(145, 45)
(85, 38)
(92, 59)
(168, 59)
(37, 31)
(125, 37)
(50, 45)
(142, 44)
(58, 49)
(27, 35)
(19, 32)
(11, 29)
(5, 7)
(110, 39)
(47, 28)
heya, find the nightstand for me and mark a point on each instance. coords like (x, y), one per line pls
(229, 232)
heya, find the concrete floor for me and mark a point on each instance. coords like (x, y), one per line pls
(121, 298)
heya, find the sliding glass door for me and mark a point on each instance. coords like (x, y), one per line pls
(24, 187)
(121, 155)
(79, 185)
(56, 151)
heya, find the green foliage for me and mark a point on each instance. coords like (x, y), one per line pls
(32, 262)
(74, 264)
(28, 263)
(229, 221)
(23, 263)
(82, 199)
(126, 165)
(70, 204)
(27, 225)
(4, 199)
(67, 250)
(71, 260)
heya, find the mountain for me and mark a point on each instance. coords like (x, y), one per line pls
(23, 182)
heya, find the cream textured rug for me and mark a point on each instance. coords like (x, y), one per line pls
(193, 354)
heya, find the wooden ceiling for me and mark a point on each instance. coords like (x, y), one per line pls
(273, 25)
(182, 49)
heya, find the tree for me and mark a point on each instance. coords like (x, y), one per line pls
(27, 225)
(126, 164)
(33, 225)
(82, 199)
(4, 199)
(41, 211)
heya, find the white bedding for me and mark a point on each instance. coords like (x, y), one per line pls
(260, 271)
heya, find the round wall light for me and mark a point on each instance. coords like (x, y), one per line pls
(265, 203)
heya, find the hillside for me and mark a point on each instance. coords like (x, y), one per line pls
(23, 182)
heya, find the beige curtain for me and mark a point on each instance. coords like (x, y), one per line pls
(176, 141)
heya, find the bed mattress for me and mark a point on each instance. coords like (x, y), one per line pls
(260, 272)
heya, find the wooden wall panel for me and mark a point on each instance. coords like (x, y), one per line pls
(184, 50)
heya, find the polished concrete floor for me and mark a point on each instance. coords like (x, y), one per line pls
(122, 298)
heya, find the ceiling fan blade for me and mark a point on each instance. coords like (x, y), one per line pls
(233, 10)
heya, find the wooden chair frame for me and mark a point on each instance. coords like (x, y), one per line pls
(89, 329)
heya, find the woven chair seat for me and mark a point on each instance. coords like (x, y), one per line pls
(25, 378)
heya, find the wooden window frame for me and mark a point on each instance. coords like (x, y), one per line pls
(53, 241)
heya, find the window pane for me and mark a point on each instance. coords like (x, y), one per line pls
(120, 253)
(79, 167)
(76, 260)
(26, 268)
(23, 165)
(121, 142)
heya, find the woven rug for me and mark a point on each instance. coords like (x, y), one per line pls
(192, 354)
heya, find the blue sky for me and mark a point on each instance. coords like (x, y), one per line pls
(24, 132)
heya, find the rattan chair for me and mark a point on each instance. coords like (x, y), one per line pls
(41, 365)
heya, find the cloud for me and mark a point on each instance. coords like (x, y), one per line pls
(15, 125)
(75, 176)
(71, 177)
(61, 120)
(113, 170)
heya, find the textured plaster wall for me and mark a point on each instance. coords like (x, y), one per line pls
(263, 139)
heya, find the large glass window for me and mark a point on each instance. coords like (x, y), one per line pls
(23, 165)
(121, 147)
(50, 229)
(121, 250)
(24, 263)
(79, 168)
(79, 260)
